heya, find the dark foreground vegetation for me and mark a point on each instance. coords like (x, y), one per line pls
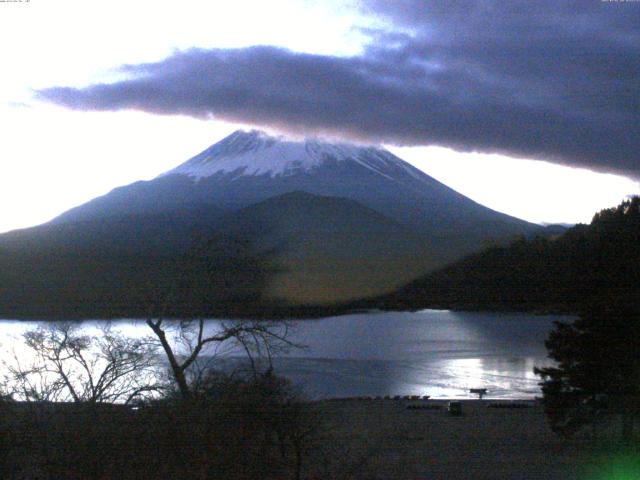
(234, 430)
(597, 371)
(248, 433)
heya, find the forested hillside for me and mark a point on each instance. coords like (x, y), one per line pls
(587, 262)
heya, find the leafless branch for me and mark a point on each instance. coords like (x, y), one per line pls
(65, 365)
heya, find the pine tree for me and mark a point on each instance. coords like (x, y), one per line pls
(598, 366)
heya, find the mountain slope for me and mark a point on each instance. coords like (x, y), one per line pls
(166, 233)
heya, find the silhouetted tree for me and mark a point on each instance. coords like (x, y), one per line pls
(62, 364)
(187, 341)
(598, 368)
(184, 342)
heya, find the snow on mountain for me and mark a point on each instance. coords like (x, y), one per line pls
(256, 153)
(249, 167)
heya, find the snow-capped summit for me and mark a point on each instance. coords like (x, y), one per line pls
(256, 153)
(248, 167)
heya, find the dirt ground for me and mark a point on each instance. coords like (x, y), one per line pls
(383, 439)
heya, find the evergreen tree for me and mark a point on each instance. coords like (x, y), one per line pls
(598, 369)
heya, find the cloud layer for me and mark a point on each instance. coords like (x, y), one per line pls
(547, 80)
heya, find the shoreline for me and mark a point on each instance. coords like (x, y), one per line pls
(437, 400)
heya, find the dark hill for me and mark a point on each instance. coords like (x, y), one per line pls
(600, 260)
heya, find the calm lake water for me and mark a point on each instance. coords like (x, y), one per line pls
(438, 353)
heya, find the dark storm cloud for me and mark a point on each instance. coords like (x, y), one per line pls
(548, 80)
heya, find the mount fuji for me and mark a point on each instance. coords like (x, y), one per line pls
(248, 167)
(290, 223)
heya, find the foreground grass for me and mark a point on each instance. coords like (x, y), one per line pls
(246, 438)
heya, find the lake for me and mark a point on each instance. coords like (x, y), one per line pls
(431, 352)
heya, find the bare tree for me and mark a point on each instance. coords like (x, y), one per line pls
(185, 342)
(190, 344)
(62, 364)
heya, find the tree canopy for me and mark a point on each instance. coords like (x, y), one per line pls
(598, 367)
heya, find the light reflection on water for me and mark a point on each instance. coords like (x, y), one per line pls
(438, 353)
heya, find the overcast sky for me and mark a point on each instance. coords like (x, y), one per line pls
(529, 107)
